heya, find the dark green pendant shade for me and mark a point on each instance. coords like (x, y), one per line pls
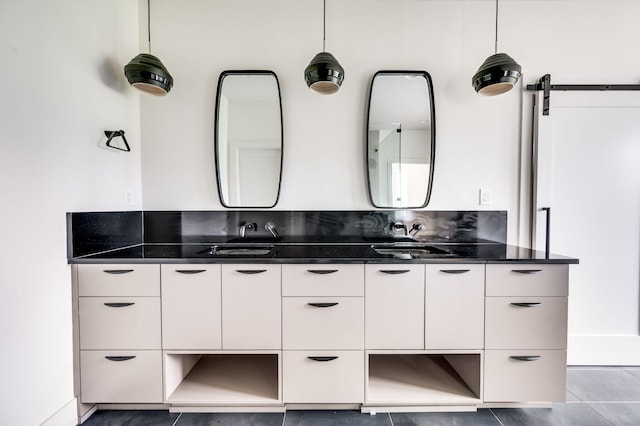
(146, 73)
(497, 74)
(324, 74)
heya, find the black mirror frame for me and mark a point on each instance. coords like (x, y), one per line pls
(432, 109)
(223, 75)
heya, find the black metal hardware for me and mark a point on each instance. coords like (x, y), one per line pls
(118, 304)
(526, 271)
(322, 358)
(120, 358)
(323, 305)
(394, 271)
(526, 304)
(544, 84)
(251, 271)
(117, 271)
(526, 357)
(455, 271)
(190, 271)
(322, 271)
(110, 134)
(547, 243)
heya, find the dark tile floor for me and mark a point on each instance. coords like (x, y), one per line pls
(595, 396)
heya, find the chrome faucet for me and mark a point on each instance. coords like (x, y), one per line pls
(244, 227)
(271, 227)
(417, 227)
(397, 226)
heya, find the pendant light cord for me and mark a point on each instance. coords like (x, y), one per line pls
(496, 42)
(324, 23)
(149, 25)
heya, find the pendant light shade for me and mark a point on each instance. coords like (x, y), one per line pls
(146, 72)
(498, 73)
(324, 74)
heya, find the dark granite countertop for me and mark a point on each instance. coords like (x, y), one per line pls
(322, 252)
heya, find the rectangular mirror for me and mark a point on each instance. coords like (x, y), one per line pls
(400, 139)
(248, 139)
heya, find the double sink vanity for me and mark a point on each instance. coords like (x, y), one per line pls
(342, 310)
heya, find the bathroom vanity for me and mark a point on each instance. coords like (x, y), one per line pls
(316, 323)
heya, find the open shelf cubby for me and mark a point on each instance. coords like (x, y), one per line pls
(223, 379)
(424, 379)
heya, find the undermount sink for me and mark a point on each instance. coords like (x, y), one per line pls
(409, 251)
(234, 250)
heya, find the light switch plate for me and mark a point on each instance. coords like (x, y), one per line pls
(485, 197)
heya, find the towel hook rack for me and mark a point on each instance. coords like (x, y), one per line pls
(111, 134)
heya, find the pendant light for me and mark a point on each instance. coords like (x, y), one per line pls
(145, 72)
(324, 74)
(498, 73)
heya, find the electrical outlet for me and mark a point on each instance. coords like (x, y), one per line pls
(128, 197)
(485, 197)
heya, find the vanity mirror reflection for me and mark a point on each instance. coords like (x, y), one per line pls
(248, 139)
(400, 139)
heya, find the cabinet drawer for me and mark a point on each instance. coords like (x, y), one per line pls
(119, 280)
(538, 376)
(323, 377)
(394, 306)
(191, 307)
(322, 280)
(527, 280)
(119, 322)
(121, 376)
(454, 307)
(526, 322)
(251, 307)
(323, 322)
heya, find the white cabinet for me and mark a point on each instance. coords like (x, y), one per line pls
(454, 307)
(113, 376)
(251, 313)
(245, 336)
(323, 323)
(526, 333)
(394, 306)
(119, 322)
(323, 333)
(191, 307)
(323, 376)
(323, 280)
(119, 333)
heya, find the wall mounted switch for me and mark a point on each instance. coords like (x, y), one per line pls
(485, 197)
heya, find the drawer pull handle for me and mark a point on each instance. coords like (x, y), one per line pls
(190, 271)
(455, 271)
(526, 271)
(323, 305)
(118, 304)
(322, 271)
(526, 304)
(322, 358)
(526, 357)
(117, 271)
(251, 271)
(120, 358)
(394, 271)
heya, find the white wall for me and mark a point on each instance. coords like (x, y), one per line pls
(61, 85)
(576, 41)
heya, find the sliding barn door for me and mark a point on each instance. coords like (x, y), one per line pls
(586, 168)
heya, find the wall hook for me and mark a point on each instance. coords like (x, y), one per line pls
(110, 134)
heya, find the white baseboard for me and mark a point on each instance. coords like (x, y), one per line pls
(65, 416)
(603, 350)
